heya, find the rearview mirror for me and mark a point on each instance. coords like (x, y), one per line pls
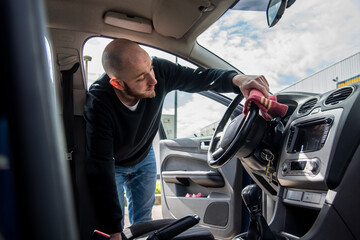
(274, 11)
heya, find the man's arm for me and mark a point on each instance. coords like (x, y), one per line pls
(177, 77)
(248, 82)
(195, 80)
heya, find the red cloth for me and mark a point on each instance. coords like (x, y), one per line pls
(269, 107)
(199, 195)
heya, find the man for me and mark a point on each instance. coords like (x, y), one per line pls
(122, 116)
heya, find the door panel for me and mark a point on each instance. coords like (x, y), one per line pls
(184, 170)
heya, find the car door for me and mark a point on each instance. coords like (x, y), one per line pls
(188, 184)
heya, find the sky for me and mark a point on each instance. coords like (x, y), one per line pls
(310, 36)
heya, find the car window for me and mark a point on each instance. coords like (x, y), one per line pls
(92, 54)
(184, 114)
(190, 115)
(306, 44)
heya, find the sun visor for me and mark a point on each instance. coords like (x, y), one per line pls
(173, 18)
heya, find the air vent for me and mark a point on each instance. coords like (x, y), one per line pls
(308, 105)
(338, 96)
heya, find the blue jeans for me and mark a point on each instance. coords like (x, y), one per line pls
(139, 183)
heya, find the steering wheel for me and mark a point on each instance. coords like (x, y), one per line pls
(234, 140)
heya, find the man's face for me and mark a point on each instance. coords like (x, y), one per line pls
(139, 78)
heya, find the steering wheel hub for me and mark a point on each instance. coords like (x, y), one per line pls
(240, 137)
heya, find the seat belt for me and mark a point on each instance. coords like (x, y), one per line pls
(68, 108)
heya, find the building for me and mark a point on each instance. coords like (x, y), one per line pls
(337, 75)
(168, 121)
(209, 129)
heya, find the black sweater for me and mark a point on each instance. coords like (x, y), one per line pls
(117, 135)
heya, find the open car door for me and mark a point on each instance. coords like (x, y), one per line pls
(189, 184)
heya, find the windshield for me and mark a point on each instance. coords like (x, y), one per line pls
(310, 37)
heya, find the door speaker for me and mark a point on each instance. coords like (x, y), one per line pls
(217, 213)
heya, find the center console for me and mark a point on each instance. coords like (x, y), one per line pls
(302, 170)
(305, 156)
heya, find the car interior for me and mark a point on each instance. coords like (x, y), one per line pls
(294, 177)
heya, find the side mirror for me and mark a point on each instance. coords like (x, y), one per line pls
(274, 11)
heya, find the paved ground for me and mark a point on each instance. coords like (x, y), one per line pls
(156, 213)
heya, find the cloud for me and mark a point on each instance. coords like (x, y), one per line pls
(310, 36)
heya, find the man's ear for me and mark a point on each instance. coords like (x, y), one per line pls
(117, 83)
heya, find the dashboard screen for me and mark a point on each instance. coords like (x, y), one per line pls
(297, 165)
(310, 138)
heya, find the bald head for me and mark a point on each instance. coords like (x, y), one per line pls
(118, 54)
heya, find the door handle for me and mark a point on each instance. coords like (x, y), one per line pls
(204, 145)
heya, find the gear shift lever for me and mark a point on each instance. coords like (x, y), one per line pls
(251, 197)
(258, 229)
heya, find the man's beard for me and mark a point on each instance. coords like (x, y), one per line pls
(130, 92)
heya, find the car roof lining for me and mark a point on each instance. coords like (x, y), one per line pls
(175, 22)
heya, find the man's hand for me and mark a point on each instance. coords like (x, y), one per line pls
(115, 236)
(248, 82)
